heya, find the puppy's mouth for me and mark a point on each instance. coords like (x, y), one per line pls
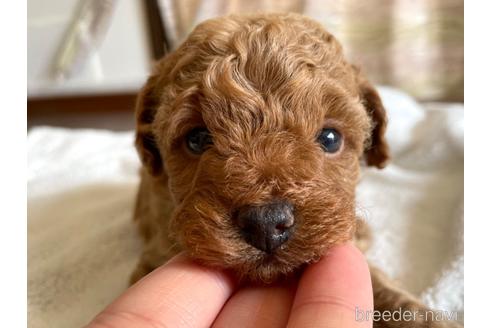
(263, 267)
(275, 257)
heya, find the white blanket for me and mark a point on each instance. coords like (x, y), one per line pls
(82, 244)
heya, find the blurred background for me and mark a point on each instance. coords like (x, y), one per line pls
(87, 59)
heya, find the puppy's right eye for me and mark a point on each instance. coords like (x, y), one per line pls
(198, 140)
(330, 140)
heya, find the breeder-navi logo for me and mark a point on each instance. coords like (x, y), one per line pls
(404, 315)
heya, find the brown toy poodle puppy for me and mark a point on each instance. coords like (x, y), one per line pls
(252, 134)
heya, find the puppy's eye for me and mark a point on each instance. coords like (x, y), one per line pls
(330, 140)
(198, 139)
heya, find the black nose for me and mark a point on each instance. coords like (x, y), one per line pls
(266, 227)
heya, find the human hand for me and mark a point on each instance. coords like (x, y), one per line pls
(182, 293)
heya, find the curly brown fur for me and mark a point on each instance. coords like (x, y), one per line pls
(264, 86)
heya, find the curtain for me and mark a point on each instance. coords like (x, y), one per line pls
(415, 45)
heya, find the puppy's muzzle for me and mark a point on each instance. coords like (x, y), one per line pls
(266, 227)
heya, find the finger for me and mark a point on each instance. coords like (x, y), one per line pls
(331, 291)
(258, 306)
(180, 293)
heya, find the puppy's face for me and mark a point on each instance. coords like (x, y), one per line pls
(258, 125)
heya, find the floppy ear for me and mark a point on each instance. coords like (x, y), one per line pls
(146, 108)
(377, 151)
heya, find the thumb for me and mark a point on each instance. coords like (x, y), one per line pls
(335, 292)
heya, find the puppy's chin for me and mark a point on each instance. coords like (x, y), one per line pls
(249, 264)
(210, 237)
(268, 268)
(258, 267)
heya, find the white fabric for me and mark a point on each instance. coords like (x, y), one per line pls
(82, 244)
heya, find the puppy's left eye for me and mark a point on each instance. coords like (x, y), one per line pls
(330, 139)
(198, 139)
